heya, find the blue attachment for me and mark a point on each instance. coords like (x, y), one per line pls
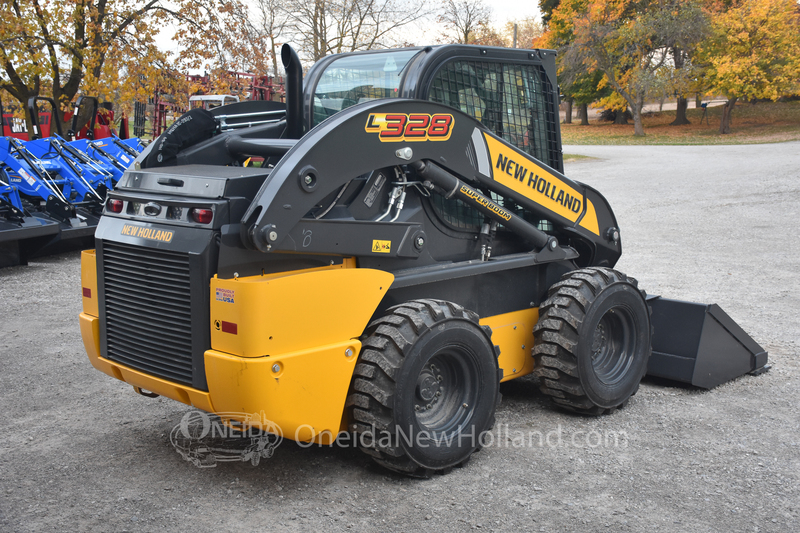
(30, 176)
(37, 169)
(9, 196)
(84, 174)
(101, 157)
(121, 152)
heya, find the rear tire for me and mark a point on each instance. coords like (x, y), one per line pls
(592, 341)
(425, 388)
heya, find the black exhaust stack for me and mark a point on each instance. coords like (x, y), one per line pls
(294, 92)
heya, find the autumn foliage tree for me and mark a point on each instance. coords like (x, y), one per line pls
(60, 47)
(754, 52)
(628, 40)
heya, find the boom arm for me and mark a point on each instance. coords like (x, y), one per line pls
(383, 134)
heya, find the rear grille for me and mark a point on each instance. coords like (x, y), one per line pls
(148, 312)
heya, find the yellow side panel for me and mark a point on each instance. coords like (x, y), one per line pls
(295, 311)
(303, 392)
(90, 332)
(89, 282)
(513, 333)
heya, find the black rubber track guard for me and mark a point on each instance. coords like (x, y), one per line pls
(425, 388)
(592, 341)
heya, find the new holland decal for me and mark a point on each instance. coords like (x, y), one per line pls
(520, 173)
(412, 127)
(146, 233)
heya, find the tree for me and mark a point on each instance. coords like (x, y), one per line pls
(585, 89)
(547, 7)
(56, 48)
(528, 30)
(463, 19)
(271, 24)
(627, 40)
(334, 26)
(690, 28)
(243, 36)
(754, 52)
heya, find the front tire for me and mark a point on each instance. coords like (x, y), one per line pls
(425, 388)
(592, 341)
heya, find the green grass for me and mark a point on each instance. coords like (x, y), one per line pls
(752, 124)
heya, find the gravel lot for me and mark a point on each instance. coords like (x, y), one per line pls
(82, 452)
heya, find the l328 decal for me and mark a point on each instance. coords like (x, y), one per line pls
(412, 127)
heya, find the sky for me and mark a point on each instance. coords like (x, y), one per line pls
(502, 12)
(505, 10)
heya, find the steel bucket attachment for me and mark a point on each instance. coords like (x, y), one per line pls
(700, 344)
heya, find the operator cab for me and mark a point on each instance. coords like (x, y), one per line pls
(508, 90)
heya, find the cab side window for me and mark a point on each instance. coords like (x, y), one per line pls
(512, 101)
(509, 99)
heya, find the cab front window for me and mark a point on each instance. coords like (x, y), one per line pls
(358, 78)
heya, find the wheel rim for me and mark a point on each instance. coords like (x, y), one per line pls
(446, 389)
(613, 345)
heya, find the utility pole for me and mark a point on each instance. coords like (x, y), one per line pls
(515, 37)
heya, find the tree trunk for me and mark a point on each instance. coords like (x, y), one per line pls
(584, 112)
(638, 128)
(727, 110)
(22, 93)
(620, 118)
(680, 114)
(698, 100)
(568, 119)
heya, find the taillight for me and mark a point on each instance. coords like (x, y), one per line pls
(114, 205)
(201, 216)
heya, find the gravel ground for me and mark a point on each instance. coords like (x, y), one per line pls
(82, 452)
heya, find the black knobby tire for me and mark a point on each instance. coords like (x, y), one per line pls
(425, 387)
(592, 341)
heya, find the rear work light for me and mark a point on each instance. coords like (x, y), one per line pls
(201, 216)
(114, 205)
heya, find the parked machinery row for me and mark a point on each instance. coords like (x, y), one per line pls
(52, 189)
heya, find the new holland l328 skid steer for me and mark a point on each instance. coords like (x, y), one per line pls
(408, 242)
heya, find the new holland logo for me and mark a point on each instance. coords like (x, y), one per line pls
(413, 127)
(151, 234)
(520, 173)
